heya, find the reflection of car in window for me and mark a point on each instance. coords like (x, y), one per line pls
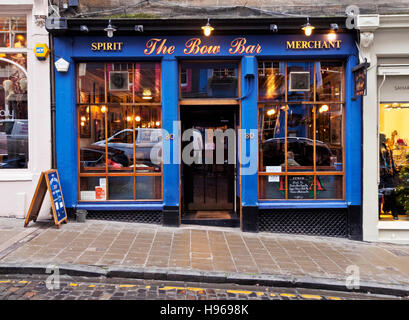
(145, 140)
(302, 148)
(94, 156)
(14, 143)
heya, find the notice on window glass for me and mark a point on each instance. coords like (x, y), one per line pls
(100, 193)
(274, 169)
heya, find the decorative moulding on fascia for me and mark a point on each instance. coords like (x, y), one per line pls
(368, 22)
(394, 21)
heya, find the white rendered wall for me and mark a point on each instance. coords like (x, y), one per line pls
(17, 186)
(391, 40)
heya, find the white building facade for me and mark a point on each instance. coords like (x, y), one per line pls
(385, 44)
(25, 126)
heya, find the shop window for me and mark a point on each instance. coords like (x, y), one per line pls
(209, 80)
(13, 32)
(394, 161)
(120, 131)
(271, 77)
(13, 101)
(300, 131)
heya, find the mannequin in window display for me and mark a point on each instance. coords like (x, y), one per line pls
(388, 177)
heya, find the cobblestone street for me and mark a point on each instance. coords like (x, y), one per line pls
(81, 288)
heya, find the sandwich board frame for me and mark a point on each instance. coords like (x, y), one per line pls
(49, 180)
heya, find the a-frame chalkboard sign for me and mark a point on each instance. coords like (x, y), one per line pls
(49, 180)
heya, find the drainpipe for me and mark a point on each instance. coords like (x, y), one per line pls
(52, 86)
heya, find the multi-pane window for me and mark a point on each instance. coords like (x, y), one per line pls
(209, 80)
(13, 93)
(120, 130)
(13, 32)
(301, 130)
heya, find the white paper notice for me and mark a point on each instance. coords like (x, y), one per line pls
(274, 169)
(87, 195)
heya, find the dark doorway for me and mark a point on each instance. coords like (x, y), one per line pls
(209, 181)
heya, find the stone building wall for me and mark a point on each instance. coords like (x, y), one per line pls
(227, 8)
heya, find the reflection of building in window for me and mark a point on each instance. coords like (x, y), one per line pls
(271, 79)
(223, 73)
(13, 93)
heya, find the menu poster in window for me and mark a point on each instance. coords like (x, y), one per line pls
(49, 180)
(300, 187)
(100, 193)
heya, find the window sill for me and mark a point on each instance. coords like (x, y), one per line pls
(16, 176)
(311, 204)
(148, 205)
(393, 225)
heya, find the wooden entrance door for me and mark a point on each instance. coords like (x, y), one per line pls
(208, 184)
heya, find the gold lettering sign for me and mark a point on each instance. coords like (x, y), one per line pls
(106, 46)
(314, 44)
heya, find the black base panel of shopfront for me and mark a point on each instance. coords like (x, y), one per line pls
(355, 231)
(249, 218)
(138, 216)
(319, 222)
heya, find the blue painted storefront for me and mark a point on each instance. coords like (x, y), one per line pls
(78, 48)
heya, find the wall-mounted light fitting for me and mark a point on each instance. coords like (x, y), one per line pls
(332, 35)
(110, 29)
(207, 29)
(84, 28)
(308, 27)
(334, 26)
(273, 27)
(139, 28)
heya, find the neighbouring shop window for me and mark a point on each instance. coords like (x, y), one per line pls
(209, 80)
(301, 130)
(120, 131)
(13, 32)
(394, 161)
(13, 93)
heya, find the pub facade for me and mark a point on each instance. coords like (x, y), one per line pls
(253, 126)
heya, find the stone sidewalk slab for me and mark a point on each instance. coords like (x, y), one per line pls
(206, 251)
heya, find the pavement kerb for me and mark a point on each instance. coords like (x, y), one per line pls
(205, 277)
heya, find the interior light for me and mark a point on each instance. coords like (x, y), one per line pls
(103, 109)
(207, 29)
(308, 28)
(87, 110)
(271, 112)
(146, 94)
(323, 108)
(128, 118)
(83, 118)
(137, 118)
(82, 124)
(110, 30)
(157, 123)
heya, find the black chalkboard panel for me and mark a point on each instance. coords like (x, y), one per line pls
(300, 187)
